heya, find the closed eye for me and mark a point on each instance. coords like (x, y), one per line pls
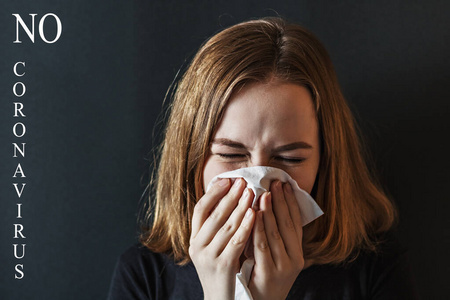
(280, 159)
(292, 160)
(230, 155)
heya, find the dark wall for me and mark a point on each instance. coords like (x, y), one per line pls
(93, 98)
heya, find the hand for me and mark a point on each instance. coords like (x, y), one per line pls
(221, 225)
(277, 242)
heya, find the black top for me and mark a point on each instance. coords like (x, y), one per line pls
(142, 274)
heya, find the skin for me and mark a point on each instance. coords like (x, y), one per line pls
(272, 124)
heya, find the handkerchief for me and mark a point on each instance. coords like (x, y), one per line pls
(258, 179)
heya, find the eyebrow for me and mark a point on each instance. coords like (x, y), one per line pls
(229, 143)
(237, 145)
(293, 146)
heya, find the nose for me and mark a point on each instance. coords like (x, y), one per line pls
(259, 160)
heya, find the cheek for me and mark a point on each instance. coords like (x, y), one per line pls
(305, 177)
(305, 182)
(211, 169)
(308, 186)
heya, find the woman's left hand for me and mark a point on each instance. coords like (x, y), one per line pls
(277, 243)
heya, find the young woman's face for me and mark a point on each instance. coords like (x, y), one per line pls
(271, 124)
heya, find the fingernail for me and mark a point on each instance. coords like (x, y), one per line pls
(278, 184)
(248, 213)
(288, 188)
(237, 183)
(246, 192)
(223, 181)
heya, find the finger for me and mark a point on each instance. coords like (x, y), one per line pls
(225, 233)
(236, 245)
(294, 211)
(220, 213)
(284, 220)
(274, 240)
(261, 250)
(205, 205)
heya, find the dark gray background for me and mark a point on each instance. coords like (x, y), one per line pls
(93, 99)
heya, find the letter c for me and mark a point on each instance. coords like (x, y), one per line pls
(15, 68)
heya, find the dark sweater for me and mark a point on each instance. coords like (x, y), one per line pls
(142, 274)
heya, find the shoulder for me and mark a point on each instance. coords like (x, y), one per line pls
(387, 272)
(139, 258)
(143, 274)
(389, 252)
(133, 269)
(383, 274)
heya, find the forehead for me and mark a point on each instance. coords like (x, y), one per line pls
(268, 111)
(272, 95)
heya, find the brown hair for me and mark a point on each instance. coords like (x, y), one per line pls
(355, 207)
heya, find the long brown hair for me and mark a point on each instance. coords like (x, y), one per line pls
(355, 207)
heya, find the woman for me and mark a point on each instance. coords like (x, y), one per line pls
(263, 93)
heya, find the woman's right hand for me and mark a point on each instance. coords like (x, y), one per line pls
(221, 226)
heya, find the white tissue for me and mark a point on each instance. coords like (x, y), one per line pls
(258, 179)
